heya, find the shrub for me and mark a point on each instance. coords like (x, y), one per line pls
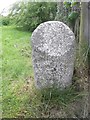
(5, 20)
(29, 15)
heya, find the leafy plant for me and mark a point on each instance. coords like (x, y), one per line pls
(5, 20)
(73, 16)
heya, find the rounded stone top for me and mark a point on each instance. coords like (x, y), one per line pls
(53, 37)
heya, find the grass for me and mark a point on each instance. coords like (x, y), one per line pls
(20, 99)
(16, 68)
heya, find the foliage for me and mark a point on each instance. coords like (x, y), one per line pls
(29, 15)
(67, 4)
(72, 17)
(73, 11)
(5, 20)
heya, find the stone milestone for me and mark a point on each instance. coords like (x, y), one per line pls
(53, 54)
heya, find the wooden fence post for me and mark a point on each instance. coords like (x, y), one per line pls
(89, 54)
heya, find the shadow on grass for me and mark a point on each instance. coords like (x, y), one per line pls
(22, 29)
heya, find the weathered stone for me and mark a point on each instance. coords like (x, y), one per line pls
(53, 48)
